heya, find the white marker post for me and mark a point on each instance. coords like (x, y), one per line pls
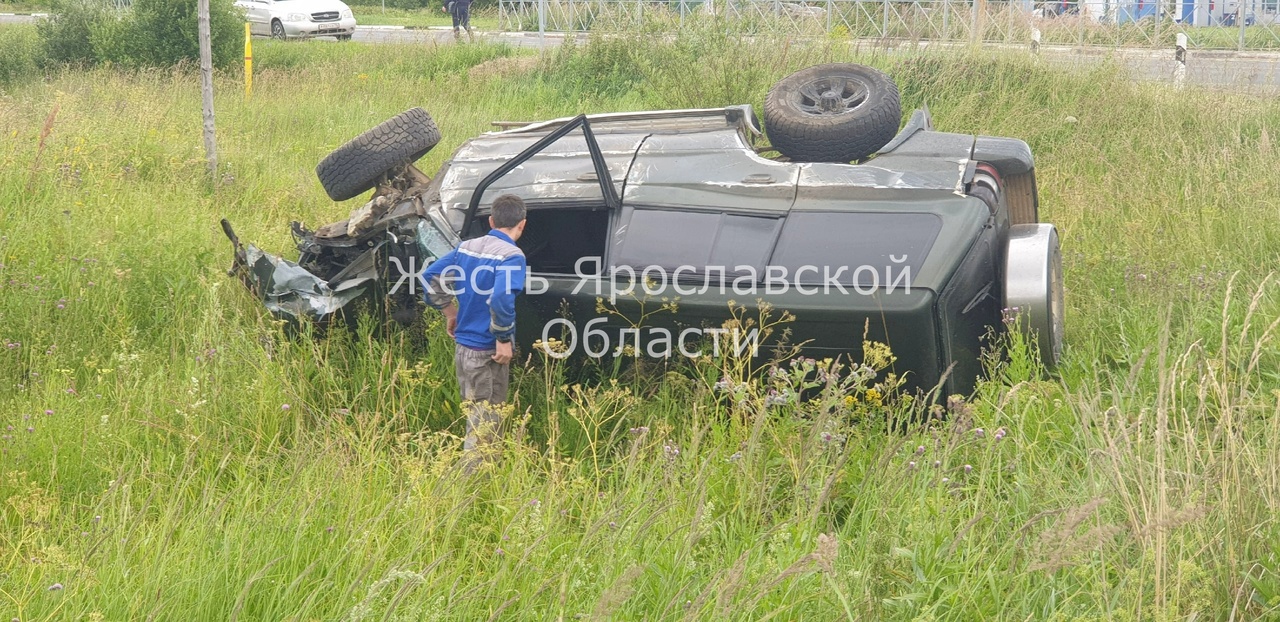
(1180, 55)
(1035, 40)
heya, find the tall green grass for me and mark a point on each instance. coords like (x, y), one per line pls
(174, 455)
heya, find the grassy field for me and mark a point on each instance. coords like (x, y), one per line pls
(170, 454)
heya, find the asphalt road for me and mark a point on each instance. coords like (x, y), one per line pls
(444, 34)
(1249, 71)
(1246, 71)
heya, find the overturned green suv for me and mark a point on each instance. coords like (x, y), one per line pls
(643, 227)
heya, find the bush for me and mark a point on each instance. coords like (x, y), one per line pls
(165, 32)
(20, 53)
(151, 33)
(68, 33)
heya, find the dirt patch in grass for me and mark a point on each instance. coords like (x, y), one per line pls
(505, 67)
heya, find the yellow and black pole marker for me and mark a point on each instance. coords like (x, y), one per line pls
(248, 62)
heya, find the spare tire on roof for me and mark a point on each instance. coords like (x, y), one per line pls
(839, 112)
(361, 163)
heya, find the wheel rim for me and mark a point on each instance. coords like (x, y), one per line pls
(1057, 303)
(1033, 288)
(277, 30)
(830, 96)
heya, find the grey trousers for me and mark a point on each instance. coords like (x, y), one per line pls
(483, 385)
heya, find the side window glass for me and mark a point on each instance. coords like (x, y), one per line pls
(695, 240)
(842, 242)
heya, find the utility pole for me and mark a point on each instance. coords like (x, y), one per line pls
(206, 88)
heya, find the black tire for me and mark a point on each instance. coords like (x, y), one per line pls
(277, 30)
(361, 163)
(838, 112)
(344, 37)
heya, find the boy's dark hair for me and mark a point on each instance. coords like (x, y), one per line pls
(508, 210)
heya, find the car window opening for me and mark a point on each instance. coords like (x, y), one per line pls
(555, 239)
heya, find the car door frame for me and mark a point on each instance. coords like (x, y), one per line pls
(612, 200)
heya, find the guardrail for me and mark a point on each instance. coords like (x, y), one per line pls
(1207, 24)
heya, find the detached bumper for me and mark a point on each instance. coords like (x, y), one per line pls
(320, 29)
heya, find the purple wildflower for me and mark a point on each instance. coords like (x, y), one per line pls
(284, 407)
(55, 587)
(968, 468)
(920, 450)
(49, 411)
(979, 432)
(999, 434)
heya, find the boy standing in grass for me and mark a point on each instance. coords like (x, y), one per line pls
(461, 12)
(482, 276)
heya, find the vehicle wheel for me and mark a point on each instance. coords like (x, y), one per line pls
(277, 30)
(838, 112)
(361, 163)
(1033, 286)
(344, 37)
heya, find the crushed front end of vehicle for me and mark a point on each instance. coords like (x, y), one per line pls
(369, 261)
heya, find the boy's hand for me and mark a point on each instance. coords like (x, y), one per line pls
(503, 354)
(451, 320)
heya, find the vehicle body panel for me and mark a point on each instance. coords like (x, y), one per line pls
(300, 18)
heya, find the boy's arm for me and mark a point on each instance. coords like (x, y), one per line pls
(437, 291)
(508, 281)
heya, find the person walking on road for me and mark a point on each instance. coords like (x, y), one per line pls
(482, 276)
(461, 12)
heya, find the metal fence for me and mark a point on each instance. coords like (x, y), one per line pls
(1208, 24)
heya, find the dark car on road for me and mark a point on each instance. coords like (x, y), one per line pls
(858, 228)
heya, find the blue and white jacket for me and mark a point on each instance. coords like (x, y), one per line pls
(484, 275)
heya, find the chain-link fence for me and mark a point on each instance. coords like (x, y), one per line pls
(1208, 24)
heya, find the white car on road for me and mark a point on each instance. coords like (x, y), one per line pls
(288, 19)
